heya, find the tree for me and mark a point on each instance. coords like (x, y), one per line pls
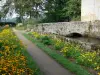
(24, 7)
(1, 15)
(29, 7)
(74, 9)
(61, 10)
(55, 11)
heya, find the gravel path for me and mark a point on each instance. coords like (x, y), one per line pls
(46, 64)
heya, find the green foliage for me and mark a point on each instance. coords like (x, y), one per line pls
(18, 20)
(1, 15)
(71, 51)
(62, 10)
(43, 38)
(88, 59)
(31, 21)
(28, 7)
(46, 40)
(0, 44)
(74, 9)
(58, 44)
(23, 8)
(55, 11)
(36, 35)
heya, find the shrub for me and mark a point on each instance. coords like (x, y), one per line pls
(36, 35)
(88, 59)
(70, 50)
(46, 40)
(58, 44)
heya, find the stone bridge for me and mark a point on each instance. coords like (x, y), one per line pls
(91, 29)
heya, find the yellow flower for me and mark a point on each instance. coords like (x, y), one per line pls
(0, 40)
(22, 57)
(97, 67)
(14, 68)
(3, 74)
(9, 61)
(99, 73)
(4, 68)
(21, 70)
(7, 47)
(9, 74)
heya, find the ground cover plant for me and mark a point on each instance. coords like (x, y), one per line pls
(58, 44)
(14, 59)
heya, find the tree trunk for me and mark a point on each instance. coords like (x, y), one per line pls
(30, 14)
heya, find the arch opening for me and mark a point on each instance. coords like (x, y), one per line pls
(74, 35)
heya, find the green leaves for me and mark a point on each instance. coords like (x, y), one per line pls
(62, 10)
(46, 40)
(74, 9)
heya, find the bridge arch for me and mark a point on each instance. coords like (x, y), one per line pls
(74, 35)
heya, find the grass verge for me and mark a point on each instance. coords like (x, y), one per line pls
(73, 67)
(31, 63)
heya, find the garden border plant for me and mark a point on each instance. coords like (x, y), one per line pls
(73, 67)
(18, 60)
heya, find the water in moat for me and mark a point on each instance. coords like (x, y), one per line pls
(85, 39)
(86, 42)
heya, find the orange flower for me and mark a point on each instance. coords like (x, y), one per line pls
(4, 68)
(21, 70)
(22, 57)
(14, 68)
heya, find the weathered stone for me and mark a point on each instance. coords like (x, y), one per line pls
(91, 29)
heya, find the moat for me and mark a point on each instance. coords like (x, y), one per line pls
(86, 42)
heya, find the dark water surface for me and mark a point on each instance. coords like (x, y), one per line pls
(86, 40)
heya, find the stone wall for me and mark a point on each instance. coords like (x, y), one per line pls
(95, 29)
(66, 28)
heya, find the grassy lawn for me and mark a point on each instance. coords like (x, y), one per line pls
(73, 67)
